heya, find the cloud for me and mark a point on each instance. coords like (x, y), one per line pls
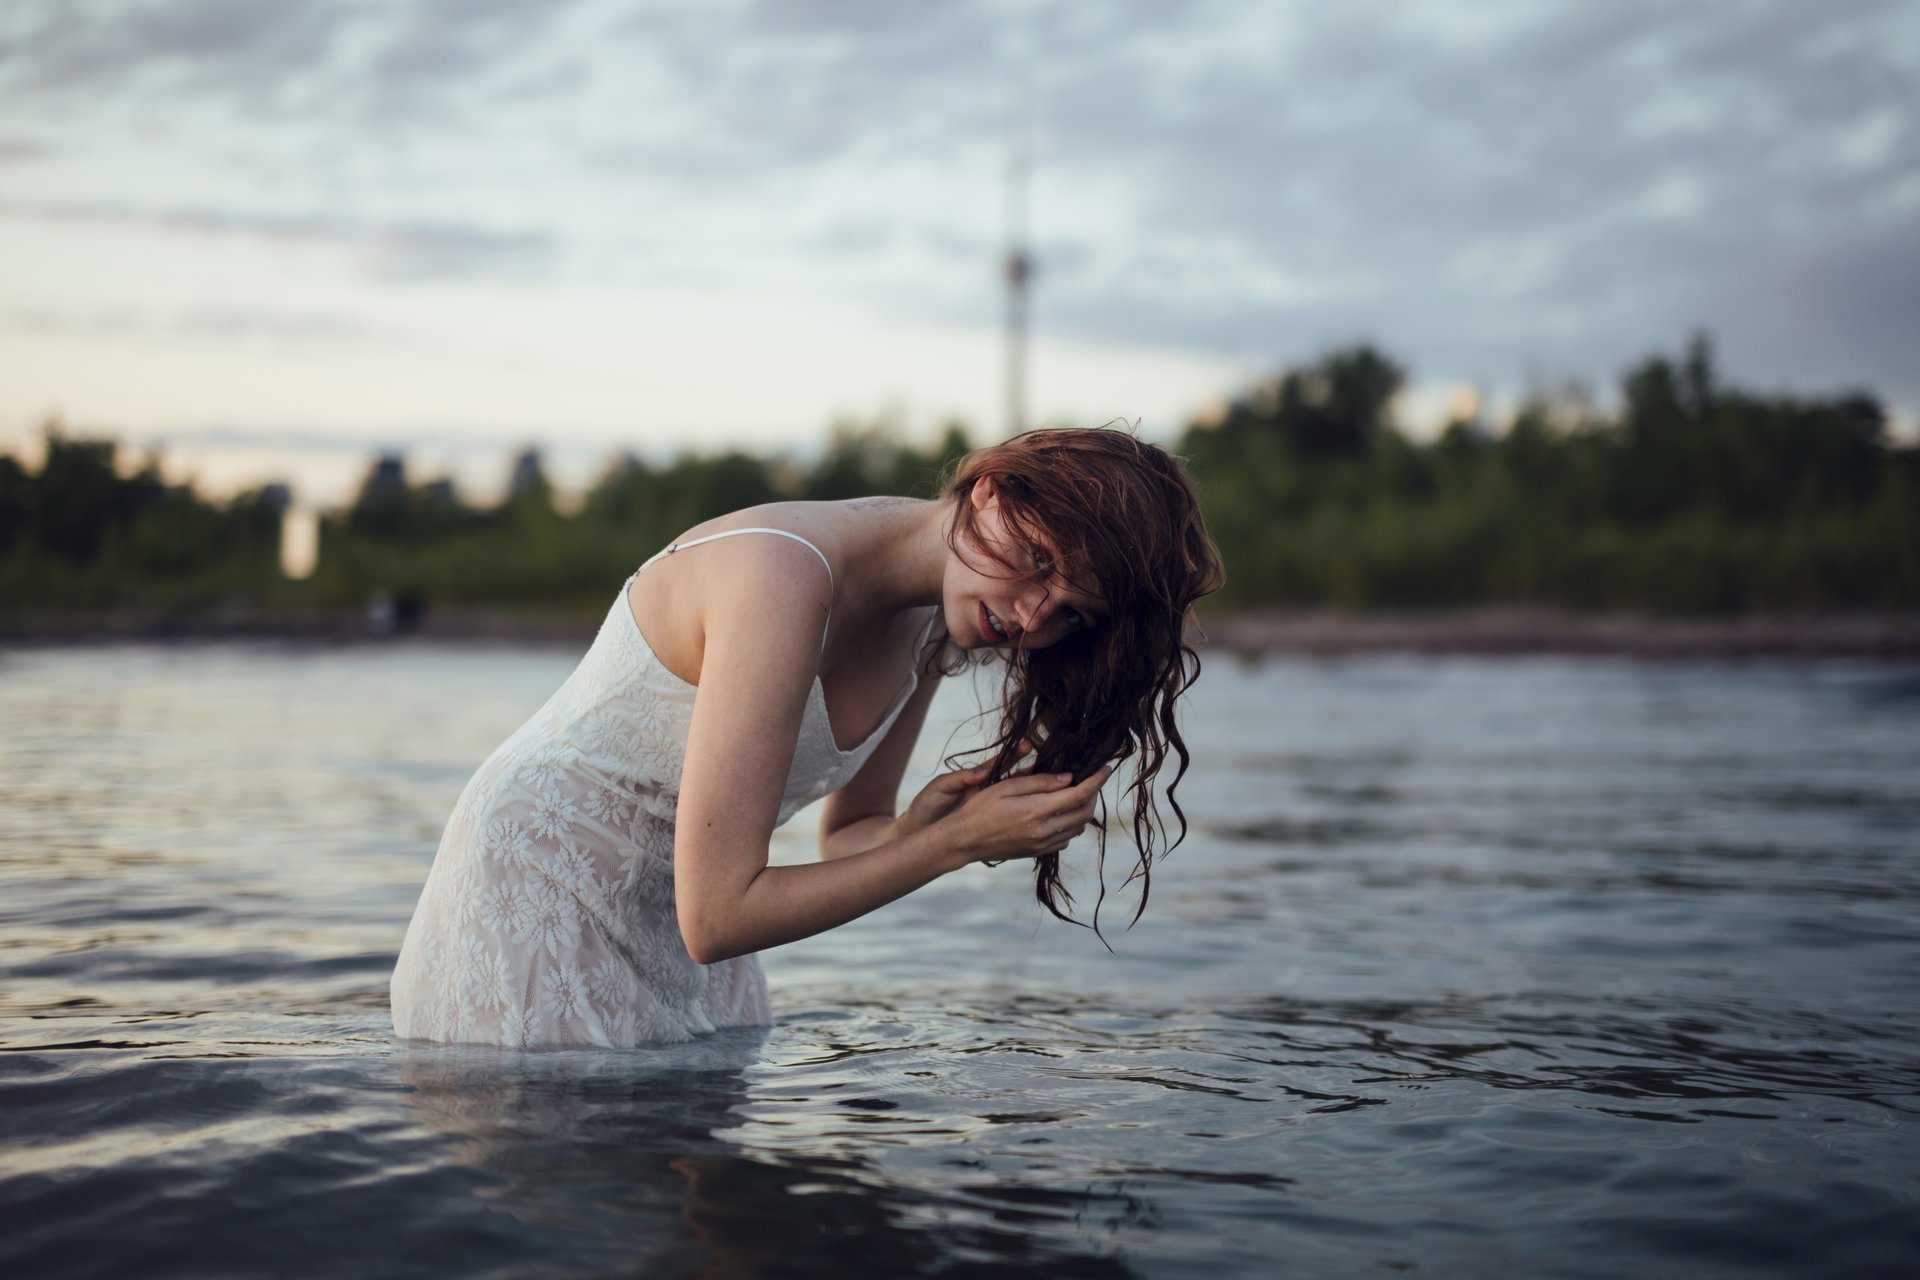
(1551, 186)
(251, 53)
(1566, 188)
(435, 48)
(1482, 188)
(221, 323)
(371, 67)
(21, 151)
(397, 251)
(777, 92)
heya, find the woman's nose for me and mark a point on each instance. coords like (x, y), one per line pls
(1027, 610)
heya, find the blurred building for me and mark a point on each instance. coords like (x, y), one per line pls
(528, 476)
(386, 480)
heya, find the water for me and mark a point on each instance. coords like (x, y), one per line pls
(1562, 967)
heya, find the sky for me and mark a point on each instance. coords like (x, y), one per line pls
(272, 238)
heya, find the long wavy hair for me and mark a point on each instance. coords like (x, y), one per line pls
(1118, 518)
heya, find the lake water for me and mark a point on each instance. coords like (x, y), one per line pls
(1544, 966)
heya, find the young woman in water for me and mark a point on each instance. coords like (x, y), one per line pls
(603, 879)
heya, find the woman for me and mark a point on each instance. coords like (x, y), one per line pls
(603, 879)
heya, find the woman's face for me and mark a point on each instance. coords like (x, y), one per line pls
(987, 611)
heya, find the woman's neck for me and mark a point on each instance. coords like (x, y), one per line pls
(898, 548)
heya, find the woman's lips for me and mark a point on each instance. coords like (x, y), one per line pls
(986, 626)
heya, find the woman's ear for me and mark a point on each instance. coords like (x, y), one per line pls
(982, 493)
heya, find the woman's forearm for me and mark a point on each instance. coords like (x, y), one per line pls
(856, 837)
(785, 904)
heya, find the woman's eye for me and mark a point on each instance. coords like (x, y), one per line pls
(1042, 558)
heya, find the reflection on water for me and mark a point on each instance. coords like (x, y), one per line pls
(635, 1159)
(1575, 968)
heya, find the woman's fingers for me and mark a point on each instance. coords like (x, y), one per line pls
(1083, 793)
(1027, 783)
(1032, 814)
(963, 779)
(1022, 784)
(1062, 829)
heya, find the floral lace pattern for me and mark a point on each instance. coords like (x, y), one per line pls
(548, 915)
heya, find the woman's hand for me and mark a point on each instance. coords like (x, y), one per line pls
(1024, 816)
(939, 798)
(945, 794)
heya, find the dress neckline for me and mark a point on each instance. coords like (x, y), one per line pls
(816, 694)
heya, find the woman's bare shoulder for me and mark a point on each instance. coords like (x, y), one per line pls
(821, 523)
(684, 595)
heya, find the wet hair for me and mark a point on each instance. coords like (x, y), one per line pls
(1119, 519)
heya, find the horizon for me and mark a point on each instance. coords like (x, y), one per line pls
(275, 242)
(480, 470)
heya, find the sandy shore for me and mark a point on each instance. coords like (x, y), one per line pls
(1492, 631)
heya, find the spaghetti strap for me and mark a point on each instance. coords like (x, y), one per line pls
(672, 547)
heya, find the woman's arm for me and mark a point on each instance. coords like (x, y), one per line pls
(857, 836)
(861, 813)
(761, 615)
(1019, 817)
(762, 609)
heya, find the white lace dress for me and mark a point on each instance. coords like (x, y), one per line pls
(548, 916)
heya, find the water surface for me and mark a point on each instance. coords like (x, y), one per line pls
(1565, 967)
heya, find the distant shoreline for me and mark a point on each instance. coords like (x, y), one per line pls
(1529, 631)
(1249, 635)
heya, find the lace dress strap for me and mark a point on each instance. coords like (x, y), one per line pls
(672, 547)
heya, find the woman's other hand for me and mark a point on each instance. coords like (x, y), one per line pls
(1024, 816)
(945, 794)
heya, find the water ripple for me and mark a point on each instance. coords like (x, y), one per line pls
(1564, 968)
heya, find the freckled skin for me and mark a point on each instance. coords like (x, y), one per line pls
(1036, 612)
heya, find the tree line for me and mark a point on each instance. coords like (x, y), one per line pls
(1693, 496)
(82, 535)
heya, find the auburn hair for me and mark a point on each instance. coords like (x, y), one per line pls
(1117, 518)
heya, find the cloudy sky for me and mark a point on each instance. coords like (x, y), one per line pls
(274, 236)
